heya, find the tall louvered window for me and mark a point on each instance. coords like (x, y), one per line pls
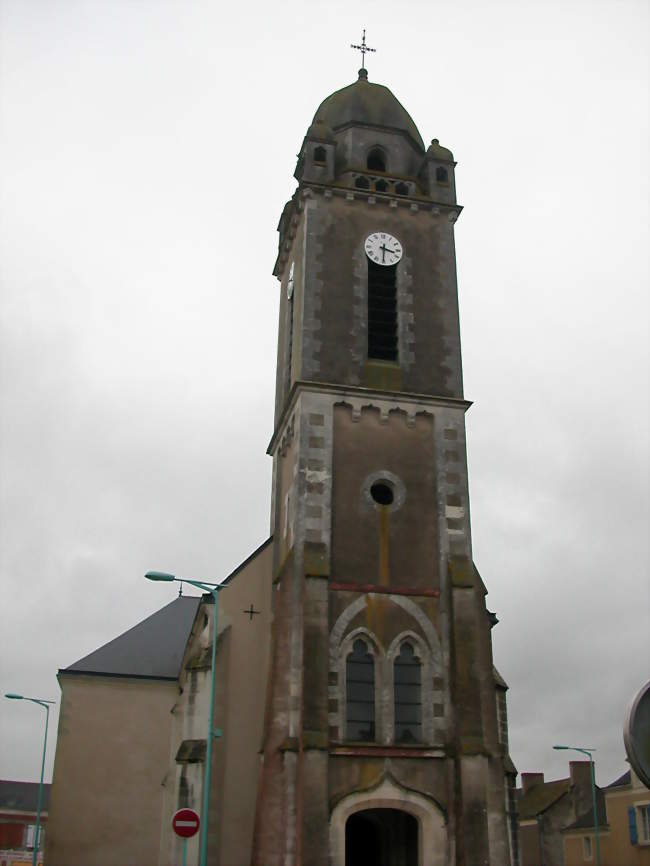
(382, 311)
(360, 693)
(408, 696)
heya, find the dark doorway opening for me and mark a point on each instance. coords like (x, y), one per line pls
(381, 837)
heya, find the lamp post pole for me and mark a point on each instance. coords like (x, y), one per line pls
(213, 589)
(39, 803)
(588, 752)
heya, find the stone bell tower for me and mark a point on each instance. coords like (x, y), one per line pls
(383, 742)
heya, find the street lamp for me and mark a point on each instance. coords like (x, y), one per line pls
(213, 589)
(46, 705)
(588, 752)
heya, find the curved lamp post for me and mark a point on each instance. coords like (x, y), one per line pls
(588, 752)
(213, 589)
(46, 706)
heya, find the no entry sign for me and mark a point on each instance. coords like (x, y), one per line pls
(186, 823)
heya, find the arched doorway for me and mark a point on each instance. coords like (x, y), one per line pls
(381, 837)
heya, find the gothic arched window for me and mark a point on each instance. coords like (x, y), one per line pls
(362, 182)
(381, 186)
(376, 160)
(401, 189)
(360, 693)
(442, 175)
(407, 680)
(319, 154)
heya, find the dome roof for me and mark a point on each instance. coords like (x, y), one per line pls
(363, 102)
(320, 130)
(437, 151)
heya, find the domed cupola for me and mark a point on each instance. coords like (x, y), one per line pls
(363, 138)
(368, 105)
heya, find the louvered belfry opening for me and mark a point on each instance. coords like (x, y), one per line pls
(382, 311)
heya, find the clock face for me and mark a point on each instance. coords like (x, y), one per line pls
(383, 249)
(290, 282)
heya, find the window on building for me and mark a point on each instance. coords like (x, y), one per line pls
(30, 836)
(360, 693)
(362, 182)
(643, 822)
(382, 311)
(401, 189)
(381, 186)
(587, 851)
(376, 161)
(442, 175)
(320, 154)
(408, 696)
(183, 791)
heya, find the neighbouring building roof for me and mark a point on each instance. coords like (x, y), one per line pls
(586, 821)
(152, 649)
(22, 796)
(540, 797)
(625, 779)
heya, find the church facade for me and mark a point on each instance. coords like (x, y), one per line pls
(382, 738)
(361, 719)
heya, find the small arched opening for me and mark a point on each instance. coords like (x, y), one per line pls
(381, 837)
(320, 155)
(376, 160)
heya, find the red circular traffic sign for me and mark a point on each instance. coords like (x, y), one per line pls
(186, 823)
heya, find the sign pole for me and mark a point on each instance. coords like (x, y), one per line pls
(184, 852)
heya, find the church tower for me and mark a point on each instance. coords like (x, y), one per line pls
(385, 739)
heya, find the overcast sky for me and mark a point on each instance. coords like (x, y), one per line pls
(147, 151)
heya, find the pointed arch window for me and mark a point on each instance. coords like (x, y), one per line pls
(320, 154)
(360, 693)
(407, 678)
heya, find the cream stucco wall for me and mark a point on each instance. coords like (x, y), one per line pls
(240, 696)
(112, 748)
(615, 846)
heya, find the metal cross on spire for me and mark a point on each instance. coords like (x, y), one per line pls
(363, 48)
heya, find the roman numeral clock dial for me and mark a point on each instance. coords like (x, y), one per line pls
(383, 249)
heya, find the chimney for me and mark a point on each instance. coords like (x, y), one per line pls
(529, 780)
(580, 773)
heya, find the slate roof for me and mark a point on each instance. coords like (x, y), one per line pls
(22, 796)
(152, 649)
(625, 779)
(586, 821)
(540, 797)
